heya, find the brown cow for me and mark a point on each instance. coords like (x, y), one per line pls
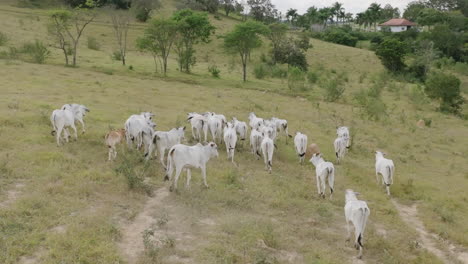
(421, 123)
(112, 139)
(311, 150)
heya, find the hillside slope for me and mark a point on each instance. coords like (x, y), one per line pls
(69, 205)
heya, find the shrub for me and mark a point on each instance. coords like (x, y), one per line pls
(392, 52)
(142, 14)
(312, 77)
(296, 78)
(37, 50)
(417, 96)
(278, 72)
(93, 44)
(134, 172)
(116, 55)
(340, 36)
(260, 71)
(372, 107)
(213, 69)
(333, 89)
(3, 39)
(446, 88)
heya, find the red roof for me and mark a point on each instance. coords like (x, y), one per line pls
(398, 22)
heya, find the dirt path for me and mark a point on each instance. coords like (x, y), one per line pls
(131, 245)
(409, 214)
(12, 195)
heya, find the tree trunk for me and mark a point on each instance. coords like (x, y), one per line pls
(165, 66)
(66, 55)
(244, 71)
(74, 54)
(123, 59)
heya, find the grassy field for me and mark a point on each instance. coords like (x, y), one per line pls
(68, 205)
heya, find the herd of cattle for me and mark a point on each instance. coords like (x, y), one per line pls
(140, 132)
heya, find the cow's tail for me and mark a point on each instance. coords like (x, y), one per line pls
(390, 175)
(362, 218)
(170, 164)
(54, 128)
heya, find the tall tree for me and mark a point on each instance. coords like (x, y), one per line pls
(243, 39)
(338, 10)
(263, 10)
(375, 13)
(228, 6)
(120, 24)
(277, 34)
(389, 12)
(143, 8)
(158, 39)
(412, 10)
(291, 15)
(69, 27)
(193, 27)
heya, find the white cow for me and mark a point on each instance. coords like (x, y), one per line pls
(187, 157)
(268, 130)
(343, 132)
(163, 140)
(256, 139)
(241, 128)
(300, 144)
(230, 139)
(215, 124)
(386, 168)
(79, 111)
(340, 145)
(254, 121)
(356, 213)
(268, 147)
(199, 123)
(137, 126)
(281, 126)
(323, 170)
(61, 120)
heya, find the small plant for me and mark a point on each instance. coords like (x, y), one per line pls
(296, 78)
(278, 72)
(260, 71)
(333, 89)
(130, 67)
(37, 50)
(312, 77)
(93, 44)
(213, 69)
(116, 55)
(446, 89)
(427, 121)
(134, 172)
(3, 38)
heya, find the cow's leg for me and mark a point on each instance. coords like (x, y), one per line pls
(74, 130)
(348, 229)
(189, 176)
(323, 187)
(115, 152)
(66, 134)
(176, 179)
(57, 136)
(318, 185)
(82, 126)
(161, 158)
(203, 170)
(377, 177)
(232, 156)
(110, 154)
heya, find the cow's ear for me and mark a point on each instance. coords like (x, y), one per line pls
(212, 144)
(183, 128)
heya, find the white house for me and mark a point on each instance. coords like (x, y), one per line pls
(396, 25)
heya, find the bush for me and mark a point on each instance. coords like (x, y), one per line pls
(312, 77)
(37, 50)
(3, 39)
(340, 36)
(142, 14)
(93, 44)
(134, 171)
(446, 88)
(278, 72)
(260, 71)
(117, 55)
(213, 69)
(333, 89)
(372, 107)
(296, 78)
(392, 52)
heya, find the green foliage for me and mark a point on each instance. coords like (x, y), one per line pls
(296, 78)
(3, 38)
(193, 27)
(449, 42)
(37, 51)
(312, 77)
(417, 95)
(213, 69)
(143, 8)
(446, 88)
(93, 44)
(134, 171)
(392, 53)
(334, 89)
(243, 39)
(339, 36)
(117, 55)
(260, 71)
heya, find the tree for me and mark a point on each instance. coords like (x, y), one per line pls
(445, 88)
(337, 10)
(262, 10)
(325, 14)
(392, 52)
(430, 17)
(228, 6)
(243, 39)
(412, 10)
(388, 12)
(291, 15)
(375, 13)
(72, 24)
(120, 24)
(158, 39)
(57, 28)
(450, 43)
(143, 8)
(277, 34)
(193, 28)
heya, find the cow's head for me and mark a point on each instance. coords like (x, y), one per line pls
(316, 157)
(213, 149)
(181, 133)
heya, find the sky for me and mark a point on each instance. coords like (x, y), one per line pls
(353, 6)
